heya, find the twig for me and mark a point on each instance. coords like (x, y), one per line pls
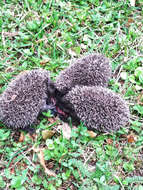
(118, 76)
(15, 154)
(10, 34)
(3, 42)
(89, 157)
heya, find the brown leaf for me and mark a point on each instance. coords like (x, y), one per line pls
(52, 120)
(109, 141)
(92, 134)
(22, 137)
(42, 162)
(32, 136)
(41, 158)
(49, 172)
(12, 171)
(66, 130)
(130, 20)
(44, 62)
(131, 138)
(47, 134)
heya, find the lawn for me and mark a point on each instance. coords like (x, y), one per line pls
(48, 34)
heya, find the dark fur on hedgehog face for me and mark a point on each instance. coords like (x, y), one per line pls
(64, 109)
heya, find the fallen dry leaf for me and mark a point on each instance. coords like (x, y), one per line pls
(32, 136)
(52, 120)
(41, 158)
(131, 20)
(42, 162)
(66, 130)
(12, 171)
(109, 141)
(92, 134)
(22, 137)
(47, 134)
(44, 62)
(49, 172)
(131, 138)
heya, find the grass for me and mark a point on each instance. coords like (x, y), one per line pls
(48, 34)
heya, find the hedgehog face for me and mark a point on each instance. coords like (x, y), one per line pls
(63, 108)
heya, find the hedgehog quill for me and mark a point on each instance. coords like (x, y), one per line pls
(97, 107)
(24, 98)
(90, 70)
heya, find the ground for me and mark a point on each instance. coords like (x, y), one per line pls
(48, 34)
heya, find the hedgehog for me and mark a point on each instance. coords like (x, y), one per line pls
(24, 99)
(91, 70)
(98, 108)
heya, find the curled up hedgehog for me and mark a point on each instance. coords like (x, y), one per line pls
(91, 70)
(24, 98)
(97, 107)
